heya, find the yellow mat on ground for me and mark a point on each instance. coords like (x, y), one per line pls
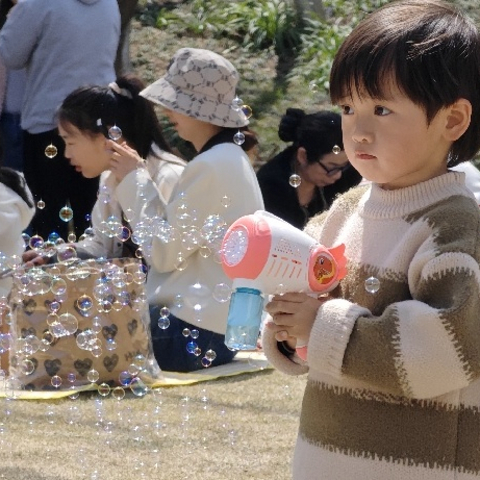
(244, 362)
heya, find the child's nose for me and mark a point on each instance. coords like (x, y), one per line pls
(362, 133)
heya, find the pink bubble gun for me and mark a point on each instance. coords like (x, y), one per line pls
(263, 254)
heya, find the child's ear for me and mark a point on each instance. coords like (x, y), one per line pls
(458, 119)
(302, 156)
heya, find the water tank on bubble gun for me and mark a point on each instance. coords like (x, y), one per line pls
(265, 255)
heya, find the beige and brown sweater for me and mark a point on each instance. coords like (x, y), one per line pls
(393, 389)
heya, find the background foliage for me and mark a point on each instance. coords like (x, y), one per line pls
(284, 59)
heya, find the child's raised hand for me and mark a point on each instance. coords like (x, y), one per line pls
(33, 258)
(123, 159)
(293, 315)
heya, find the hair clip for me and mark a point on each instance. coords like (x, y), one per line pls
(123, 92)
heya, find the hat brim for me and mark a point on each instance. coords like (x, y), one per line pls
(191, 104)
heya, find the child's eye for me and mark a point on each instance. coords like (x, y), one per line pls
(346, 109)
(382, 111)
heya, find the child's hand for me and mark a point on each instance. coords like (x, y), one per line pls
(123, 159)
(33, 258)
(293, 316)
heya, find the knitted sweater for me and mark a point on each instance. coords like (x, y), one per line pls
(393, 388)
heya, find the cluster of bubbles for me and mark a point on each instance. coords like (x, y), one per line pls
(184, 229)
(238, 105)
(110, 292)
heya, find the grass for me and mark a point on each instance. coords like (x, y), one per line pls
(241, 427)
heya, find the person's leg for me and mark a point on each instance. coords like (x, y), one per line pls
(48, 179)
(12, 141)
(173, 349)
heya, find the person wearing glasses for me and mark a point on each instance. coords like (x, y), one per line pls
(304, 178)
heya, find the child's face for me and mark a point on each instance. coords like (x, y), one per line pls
(389, 141)
(86, 153)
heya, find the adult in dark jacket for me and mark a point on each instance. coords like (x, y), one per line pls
(304, 178)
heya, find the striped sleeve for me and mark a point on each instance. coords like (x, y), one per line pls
(422, 347)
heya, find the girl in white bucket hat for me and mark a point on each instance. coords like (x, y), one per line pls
(189, 305)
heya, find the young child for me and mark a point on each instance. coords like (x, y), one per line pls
(88, 119)
(16, 212)
(393, 355)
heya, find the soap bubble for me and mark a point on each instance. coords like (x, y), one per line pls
(198, 296)
(104, 389)
(163, 323)
(138, 388)
(372, 285)
(65, 214)
(239, 138)
(66, 254)
(93, 376)
(69, 322)
(118, 393)
(125, 378)
(51, 151)
(36, 242)
(222, 292)
(295, 180)
(115, 133)
(56, 381)
(237, 103)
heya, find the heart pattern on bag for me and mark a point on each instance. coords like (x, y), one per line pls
(28, 331)
(132, 327)
(29, 306)
(110, 362)
(52, 367)
(109, 331)
(83, 366)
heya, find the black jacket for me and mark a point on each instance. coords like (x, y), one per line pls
(281, 199)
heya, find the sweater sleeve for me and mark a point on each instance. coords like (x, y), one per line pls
(422, 347)
(219, 175)
(20, 33)
(196, 197)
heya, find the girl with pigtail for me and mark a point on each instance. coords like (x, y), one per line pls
(92, 121)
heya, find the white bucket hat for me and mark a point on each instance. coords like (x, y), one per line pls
(200, 84)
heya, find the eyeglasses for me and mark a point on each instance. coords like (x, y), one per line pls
(332, 171)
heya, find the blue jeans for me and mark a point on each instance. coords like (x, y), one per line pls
(170, 345)
(12, 141)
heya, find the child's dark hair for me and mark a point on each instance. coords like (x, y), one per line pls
(15, 181)
(316, 132)
(428, 49)
(93, 109)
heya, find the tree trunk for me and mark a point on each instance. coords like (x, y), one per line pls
(127, 11)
